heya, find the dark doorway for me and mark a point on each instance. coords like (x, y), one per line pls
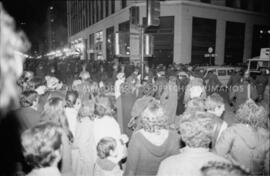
(234, 42)
(203, 37)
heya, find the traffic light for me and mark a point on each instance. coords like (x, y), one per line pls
(153, 12)
(134, 15)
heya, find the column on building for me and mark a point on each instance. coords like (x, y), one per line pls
(220, 41)
(248, 41)
(183, 36)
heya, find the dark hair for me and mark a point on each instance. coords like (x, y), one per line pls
(71, 98)
(40, 143)
(28, 97)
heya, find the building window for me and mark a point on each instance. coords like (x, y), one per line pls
(91, 47)
(203, 37)
(101, 9)
(229, 3)
(93, 12)
(234, 42)
(163, 41)
(106, 8)
(123, 3)
(261, 39)
(206, 1)
(97, 10)
(99, 46)
(112, 6)
(110, 43)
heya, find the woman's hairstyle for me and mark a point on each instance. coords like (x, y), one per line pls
(54, 111)
(104, 146)
(252, 114)
(40, 143)
(28, 97)
(71, 98)
(213, 101)
(87, 109)
(197, 131)
(224, 169)
(194, 82)
(11, 67)
(153, 118)
(103, 106)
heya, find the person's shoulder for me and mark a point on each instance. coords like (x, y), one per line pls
(172, 160)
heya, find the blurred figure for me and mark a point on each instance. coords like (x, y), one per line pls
(11, 66)
(151, 144)
(224, 169)
(196, 133)
(12, 42)
(248, 141)
(42, 149)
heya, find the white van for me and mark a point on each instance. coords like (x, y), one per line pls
(223, 72)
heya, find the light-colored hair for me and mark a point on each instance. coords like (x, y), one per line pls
(11, 67)
(87, 109)
(54, 111)
(213, 168)
(252, 114)
(153, 118)
(104, 146)
(198, 131)
(213, 101)
(40, 143)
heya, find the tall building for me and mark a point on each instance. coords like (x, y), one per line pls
(234, 29)
(56, 25)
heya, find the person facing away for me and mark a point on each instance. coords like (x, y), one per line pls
(247, 142)
(109, 155)
(196, 132)
(28, 114)
(42, 149)
(151, 144)
(83, 148)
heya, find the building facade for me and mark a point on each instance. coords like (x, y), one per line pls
(234, 29)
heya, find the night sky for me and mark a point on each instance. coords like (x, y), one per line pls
(30, 16)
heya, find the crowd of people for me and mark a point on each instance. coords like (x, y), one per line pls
(109, 119)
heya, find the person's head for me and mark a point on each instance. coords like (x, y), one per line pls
(252, 114)
(106, 147)
(11, 67)
(197, 131)
(153, 118)
(215, 104)
(41, 145)
(121, 76)
(195, 104)
(87, 109)
(29, 98)
(223, 169)
(71, 98)
(103, 106)
(54, 109)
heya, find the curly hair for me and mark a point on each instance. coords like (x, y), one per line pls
(104, 146)
(198, 130)
(213, 101)
(40, 143)
(11, 67)
(28, 97)
(252, 114)
(213, 168)
(153, 118)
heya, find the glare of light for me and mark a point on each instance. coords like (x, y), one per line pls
(261, 31)
(51, 8)
(268, 31)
